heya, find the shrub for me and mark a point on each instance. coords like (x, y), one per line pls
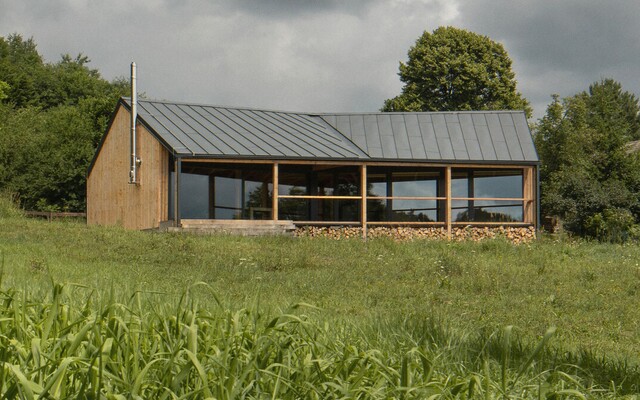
(8, 206)
(613, 225)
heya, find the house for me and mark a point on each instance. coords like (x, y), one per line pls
(207, 164)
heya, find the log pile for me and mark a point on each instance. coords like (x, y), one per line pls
(331, 232)
(516, 235)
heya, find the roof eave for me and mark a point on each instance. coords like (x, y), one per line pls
(360, 160)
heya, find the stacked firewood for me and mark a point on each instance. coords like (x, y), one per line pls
(337, 232)
(516, 235)
(407, 233)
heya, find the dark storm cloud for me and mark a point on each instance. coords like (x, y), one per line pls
(293, 8)
(562, 46)
(333, 55)
(587, 36)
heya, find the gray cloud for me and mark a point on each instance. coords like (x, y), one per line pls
(562, 46)
(293, 8)
(325, 55)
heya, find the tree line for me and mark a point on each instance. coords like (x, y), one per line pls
(52, 116)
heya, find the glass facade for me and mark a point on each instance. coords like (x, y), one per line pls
(406, 195)
(329, 193)
(223, 191)
(493, 185)
(319, 182)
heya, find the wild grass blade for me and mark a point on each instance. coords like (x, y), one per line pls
(27, 387)
(541, 345)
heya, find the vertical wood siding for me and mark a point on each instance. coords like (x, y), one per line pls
(111, 200)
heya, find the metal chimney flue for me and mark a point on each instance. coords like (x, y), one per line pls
(135, 161)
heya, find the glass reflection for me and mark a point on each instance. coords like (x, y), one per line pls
(487, 184)
(406, 185)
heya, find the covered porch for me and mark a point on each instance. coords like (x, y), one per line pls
(365, 194)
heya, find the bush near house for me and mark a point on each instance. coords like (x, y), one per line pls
(590, 179)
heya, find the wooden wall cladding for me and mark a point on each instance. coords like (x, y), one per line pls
(111, 199)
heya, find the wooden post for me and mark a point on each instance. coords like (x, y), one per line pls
(389, 208)
(528, 191)
(176, 203)
(471, 193)
(447, 185)
(363, 207)
(536, 209)
(274, 201)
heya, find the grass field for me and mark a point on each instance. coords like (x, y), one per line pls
(409, 319)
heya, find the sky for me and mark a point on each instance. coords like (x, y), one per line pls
(325, 55)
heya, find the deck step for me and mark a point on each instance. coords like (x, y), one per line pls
(235, 227)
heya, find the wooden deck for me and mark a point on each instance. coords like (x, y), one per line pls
(234, 227)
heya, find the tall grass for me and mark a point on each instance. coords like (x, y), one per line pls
(132, 302)
(148, 347)
(8, 207)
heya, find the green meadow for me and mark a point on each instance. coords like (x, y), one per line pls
(100, 312)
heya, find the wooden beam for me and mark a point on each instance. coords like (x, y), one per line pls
(471, 192)
(491, 198)
(490, 223)
(447, 184)
(406, 223)
(336, 223)
(355, 163)
(274, 206)
(528, 191)
(363, 207)
(408, 198)
(292, 196)
(176, 175)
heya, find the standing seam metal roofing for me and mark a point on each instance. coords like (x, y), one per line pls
(464, 136)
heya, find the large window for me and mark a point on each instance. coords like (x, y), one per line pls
(404, 195)
(486, 195)
(319, 193)
(222, 191)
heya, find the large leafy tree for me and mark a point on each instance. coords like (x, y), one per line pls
(589, 179)
(52, 116)
(23, 69)
(453, 69)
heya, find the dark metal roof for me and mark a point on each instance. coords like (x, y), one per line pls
(465, 136)
(480, 136)
(200, 130)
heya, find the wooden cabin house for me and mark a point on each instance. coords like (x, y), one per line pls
(207, 164)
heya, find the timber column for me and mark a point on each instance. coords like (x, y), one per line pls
(447, 186)
(274, 201)
(363, 207)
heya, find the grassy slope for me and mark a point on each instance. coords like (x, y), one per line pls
(589, 291)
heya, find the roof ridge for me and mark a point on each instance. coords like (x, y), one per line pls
(193, 104)
(320, 114)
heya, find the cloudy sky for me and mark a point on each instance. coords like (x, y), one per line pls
(325, 55)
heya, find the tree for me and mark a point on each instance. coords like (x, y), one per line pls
(22, 68)
(4, 89)
(588, 178)
(51, 120)
(453, 69)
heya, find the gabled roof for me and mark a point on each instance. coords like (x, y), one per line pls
(466, 136)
